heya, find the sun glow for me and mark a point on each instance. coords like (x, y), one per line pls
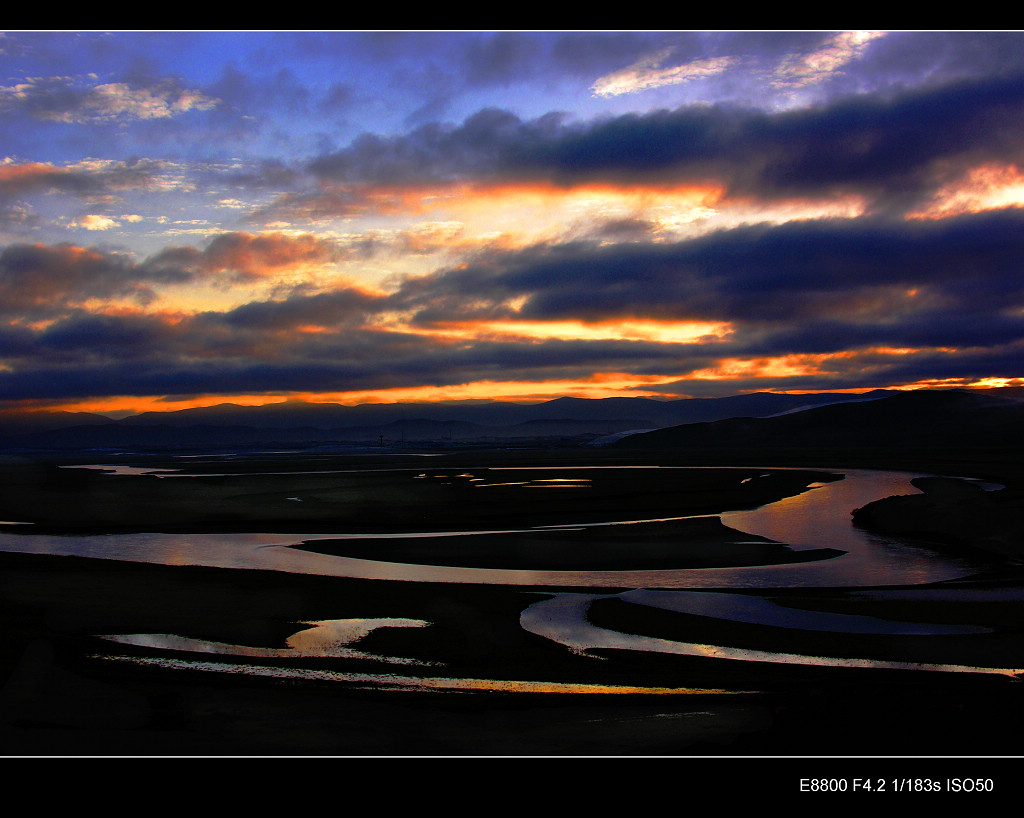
(518, 214)
(600, 385)
(672, 332)
(988, 187)
(784, 367)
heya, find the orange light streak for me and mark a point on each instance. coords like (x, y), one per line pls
(988, 187)
(673, 332)
(611, 384)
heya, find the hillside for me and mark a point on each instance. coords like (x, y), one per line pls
(467, 422)
(917, 419)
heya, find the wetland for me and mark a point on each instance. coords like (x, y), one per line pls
(388, 606)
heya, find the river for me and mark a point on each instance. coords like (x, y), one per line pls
(817, 518)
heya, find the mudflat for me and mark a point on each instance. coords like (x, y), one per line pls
(69, 692)
(467, 678)
(696, 542)
(383, 497)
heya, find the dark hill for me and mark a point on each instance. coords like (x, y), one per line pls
(919, 419)
(653, 413)
(301, 423)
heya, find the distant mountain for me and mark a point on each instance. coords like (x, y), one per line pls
(647, 411)
(14, 422)
(923, 418)
(302, 423)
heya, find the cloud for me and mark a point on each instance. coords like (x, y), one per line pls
(807, 305)
(649, 73)
(93, 178)
(895, 153)
(245, 256)
(799, 70)
(95, 222)
(881, 239)
(38, 280)
(71, 100)
(47, 281)
(864, 270)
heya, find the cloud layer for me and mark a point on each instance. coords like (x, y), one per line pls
(368, 215)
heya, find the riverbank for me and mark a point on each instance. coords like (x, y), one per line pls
(446, 668)
(60, 696)
(953, 514)
(691, 543)
(376, 497)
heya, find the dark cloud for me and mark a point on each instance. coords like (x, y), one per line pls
(624, 229)
(267, 174)
(38, 280)
(847, 271)
(890, 306)
(222, 354)
(435, 153)
(338, 97)
(85, 179)
(892, 152)
(336, 309)
(903, 60)
(895, 152)
(501, 57)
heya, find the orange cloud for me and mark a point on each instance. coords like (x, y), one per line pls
(672, 332)
(17, 178)
(491, 197)
(987, 187)
(254, 256)
(600, 385)
(781, 367)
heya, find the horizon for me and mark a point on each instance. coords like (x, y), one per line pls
(189, 219)
(125, 414)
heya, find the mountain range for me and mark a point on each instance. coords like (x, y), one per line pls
(300, 422)
(881, 418)
(922, 419)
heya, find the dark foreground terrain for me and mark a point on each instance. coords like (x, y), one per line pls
(62, 697)
(468, 679)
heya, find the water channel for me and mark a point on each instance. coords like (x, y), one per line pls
(815, 519)
(818, 518)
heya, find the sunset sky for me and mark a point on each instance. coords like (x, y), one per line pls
(192, 218)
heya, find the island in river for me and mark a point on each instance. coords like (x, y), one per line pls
(446, 668)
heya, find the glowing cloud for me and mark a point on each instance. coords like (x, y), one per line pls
(984, 188)
(94, 222)
(468, 215)
(666, 332)
(648, 73)
(807, 69)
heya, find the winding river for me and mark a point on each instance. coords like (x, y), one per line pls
(817, 518)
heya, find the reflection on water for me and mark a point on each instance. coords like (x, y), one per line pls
(821, 517)
(326, 639)
(817, 518)
(376, 680)
(756, 610)
(563, 619)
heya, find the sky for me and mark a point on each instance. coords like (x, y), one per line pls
(194, 218)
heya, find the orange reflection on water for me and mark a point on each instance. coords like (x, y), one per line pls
(423, 683)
